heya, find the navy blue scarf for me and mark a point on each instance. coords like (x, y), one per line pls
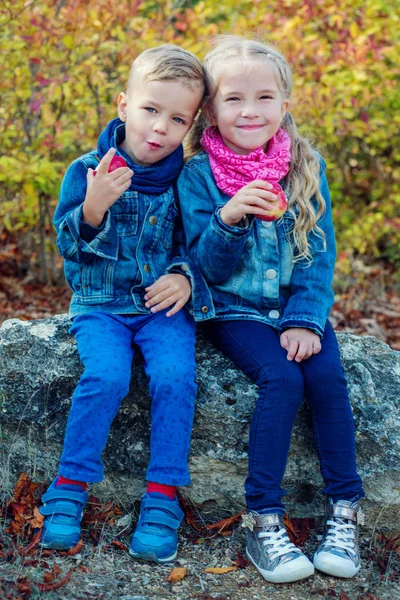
(152, 179)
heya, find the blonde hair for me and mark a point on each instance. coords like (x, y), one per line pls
(303, 176)
(167, 62)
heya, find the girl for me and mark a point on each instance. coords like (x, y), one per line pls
(270, 281)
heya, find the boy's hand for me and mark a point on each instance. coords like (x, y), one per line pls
(104, 190)
(248, 201)
(167, 290)
(300, 343)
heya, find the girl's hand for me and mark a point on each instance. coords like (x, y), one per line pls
(167, 290)
(248, 201)
(300, 343)
(104, 190)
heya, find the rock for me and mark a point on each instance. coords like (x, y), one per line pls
(40, 368)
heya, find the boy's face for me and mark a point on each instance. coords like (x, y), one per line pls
(158, 115)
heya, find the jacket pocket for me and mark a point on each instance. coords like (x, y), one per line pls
(125, 212)
(97, 280)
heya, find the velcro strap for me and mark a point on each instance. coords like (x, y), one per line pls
(61, 508)
(153, 518)
(55, 494)
(345, 512)
(166, 505)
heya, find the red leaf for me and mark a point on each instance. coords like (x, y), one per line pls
(49, 587)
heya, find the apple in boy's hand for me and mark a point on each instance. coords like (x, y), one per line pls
(116, 163)
(280, 206)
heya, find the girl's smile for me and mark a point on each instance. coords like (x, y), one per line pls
(248, 107)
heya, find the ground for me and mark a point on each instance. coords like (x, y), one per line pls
(101, 568)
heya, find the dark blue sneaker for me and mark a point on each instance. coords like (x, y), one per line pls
(155, 536)
(62, 510)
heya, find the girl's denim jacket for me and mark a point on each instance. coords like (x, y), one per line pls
(250, 269)
(140, 239)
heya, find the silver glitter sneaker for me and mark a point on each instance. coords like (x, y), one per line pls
(339, 554)
(271, 551)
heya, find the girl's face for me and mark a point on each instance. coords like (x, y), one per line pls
(248, 106)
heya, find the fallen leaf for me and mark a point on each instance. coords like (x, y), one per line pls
(49, 587)
(177, 574)
(221, 570)
(24, 586)
(30, 548)
(225, 523)
(74, 550)
(49, 576)
(119, 545)
(36, 521)
(343, 596)
(241, 561)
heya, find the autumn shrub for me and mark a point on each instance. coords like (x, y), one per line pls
(65, 62)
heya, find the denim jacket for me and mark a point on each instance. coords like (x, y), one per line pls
(250, 269)
(140, 239)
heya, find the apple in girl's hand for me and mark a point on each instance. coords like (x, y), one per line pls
(116, 163)
(280, 206)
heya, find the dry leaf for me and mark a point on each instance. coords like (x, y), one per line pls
(225, 523)
(74, 550)
(119, 545)
(48, 587)
(221, 570)
(177, 574)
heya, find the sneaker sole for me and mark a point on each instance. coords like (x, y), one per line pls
(335, 570)
(295, 575)
(153, 557)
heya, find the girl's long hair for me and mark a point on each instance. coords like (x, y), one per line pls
(303, 176)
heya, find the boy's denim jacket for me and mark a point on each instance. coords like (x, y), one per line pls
(250, 269)
(140, 239)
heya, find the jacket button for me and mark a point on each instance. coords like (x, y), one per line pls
(184, 267)
(270, 274)
(147, 268)
(204, 309)
(153, 220)
(274, 314)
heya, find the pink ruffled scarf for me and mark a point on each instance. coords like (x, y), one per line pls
(232, 171)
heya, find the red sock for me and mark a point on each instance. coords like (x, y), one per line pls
(64, 481)
(159, 488)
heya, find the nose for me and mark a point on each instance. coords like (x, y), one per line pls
(249, 110)
(160, 126)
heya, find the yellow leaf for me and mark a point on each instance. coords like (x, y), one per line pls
(68, 41)
(177, 574)
(221, 570)
(354, 30)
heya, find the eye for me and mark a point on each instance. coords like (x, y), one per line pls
(179, 120)
(150, 109)
(266, 97)
(232, 99)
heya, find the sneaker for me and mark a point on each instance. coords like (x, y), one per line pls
(271, 551)
(62, 510)
(339, 554)
(155, 536)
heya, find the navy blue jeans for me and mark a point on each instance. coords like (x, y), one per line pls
(255, 348)
(106, 345)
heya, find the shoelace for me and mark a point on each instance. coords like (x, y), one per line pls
(341, 535)
(279, 541)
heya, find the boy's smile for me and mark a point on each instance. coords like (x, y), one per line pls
(158, 115)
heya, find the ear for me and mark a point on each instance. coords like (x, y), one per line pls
(284, 108)
(122, 104)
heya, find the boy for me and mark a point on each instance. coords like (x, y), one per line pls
(121, 239)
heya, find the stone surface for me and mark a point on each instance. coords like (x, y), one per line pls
(40, 367)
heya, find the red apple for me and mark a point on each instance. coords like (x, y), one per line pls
(116, 163)
(280, 207)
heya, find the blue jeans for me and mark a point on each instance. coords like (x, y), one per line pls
(106, 347)
(255, 348)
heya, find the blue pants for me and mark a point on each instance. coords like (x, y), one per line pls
(106, 347)
(255, 348)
